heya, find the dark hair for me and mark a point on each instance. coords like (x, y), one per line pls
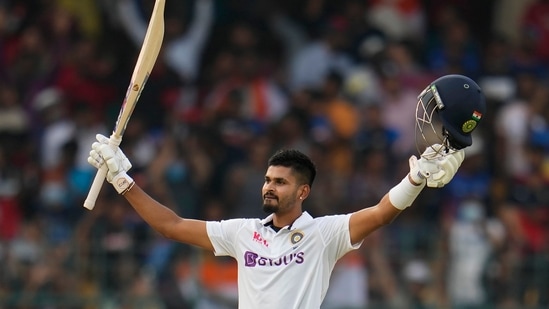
(297, 161)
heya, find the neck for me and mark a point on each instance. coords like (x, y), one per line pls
(282, 220)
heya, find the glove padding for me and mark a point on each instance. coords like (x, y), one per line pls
(421, 169)
(105, 155)
(436, 166)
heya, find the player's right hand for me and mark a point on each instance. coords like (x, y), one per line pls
(106, 155)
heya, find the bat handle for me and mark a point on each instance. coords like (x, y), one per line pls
(97, 183)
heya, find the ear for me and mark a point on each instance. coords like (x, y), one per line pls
(304, 192)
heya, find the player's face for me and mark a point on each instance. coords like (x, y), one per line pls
(279, 190)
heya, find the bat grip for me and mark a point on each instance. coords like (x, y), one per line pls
(97, 183)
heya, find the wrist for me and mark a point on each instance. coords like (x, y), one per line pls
(404, 194)
(416, 179)
(122, 183)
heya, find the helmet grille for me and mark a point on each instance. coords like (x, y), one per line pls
(429, 129)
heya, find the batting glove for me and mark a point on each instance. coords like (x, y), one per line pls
(437, 166)
(448, 163)
(106, 155)
(421, 169)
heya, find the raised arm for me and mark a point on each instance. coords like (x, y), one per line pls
(159, 217)
(447, 112)
(436, 172)
(166, 222)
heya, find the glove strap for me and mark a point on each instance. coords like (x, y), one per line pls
(122, 183)
(417, 176)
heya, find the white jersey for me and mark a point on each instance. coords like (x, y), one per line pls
(290, 268)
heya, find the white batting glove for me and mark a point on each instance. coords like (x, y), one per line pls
(436, 165)
(105, 155)
(422, 169)
(448, 164)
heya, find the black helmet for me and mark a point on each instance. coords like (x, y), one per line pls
(459, 103)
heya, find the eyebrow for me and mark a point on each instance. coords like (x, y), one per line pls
(273, 178)
(276, 178)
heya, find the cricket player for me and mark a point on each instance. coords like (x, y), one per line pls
(285, 260)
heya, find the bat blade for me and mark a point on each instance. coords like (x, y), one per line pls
(143, 67)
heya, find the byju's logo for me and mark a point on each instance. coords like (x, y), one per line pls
(252, 259)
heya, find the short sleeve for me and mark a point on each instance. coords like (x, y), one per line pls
(335, 230)
(223, 235)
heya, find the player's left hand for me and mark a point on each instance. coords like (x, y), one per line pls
(446, 161)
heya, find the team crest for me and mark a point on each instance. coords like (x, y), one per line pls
(469, 126)
(296, 237)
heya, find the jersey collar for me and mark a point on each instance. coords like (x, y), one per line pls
(302, 220)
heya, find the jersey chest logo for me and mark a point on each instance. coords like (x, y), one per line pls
(259, 239)
(252, 259)
(296, 237)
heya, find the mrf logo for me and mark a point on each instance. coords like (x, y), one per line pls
(259, 239)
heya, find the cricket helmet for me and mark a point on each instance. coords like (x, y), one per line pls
(448, 111)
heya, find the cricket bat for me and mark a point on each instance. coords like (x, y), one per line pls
(145, 63)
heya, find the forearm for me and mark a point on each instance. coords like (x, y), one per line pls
(367, 220)
(158, 216)
(387, 211)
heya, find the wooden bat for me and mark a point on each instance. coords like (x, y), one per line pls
(145, 63)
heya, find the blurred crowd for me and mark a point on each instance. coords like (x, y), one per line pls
(238, 79)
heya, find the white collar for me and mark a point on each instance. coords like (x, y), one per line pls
(300, 221)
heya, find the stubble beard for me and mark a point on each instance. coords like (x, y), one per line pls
(270, 205)
(276, 206)
(270, 208)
